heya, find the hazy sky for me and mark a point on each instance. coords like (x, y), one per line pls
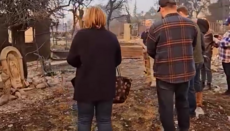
(142, 5)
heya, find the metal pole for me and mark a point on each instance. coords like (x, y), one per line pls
(223, 4)
(224, 10)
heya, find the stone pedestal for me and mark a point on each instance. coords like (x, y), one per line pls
(127, 35)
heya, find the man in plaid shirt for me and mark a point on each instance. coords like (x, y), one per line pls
(170, 43)
(224, 54)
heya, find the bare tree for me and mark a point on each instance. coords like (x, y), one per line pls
(111, 7)
(135, 9)
(195, 6)
(16, 12)
(128, 15)
(78, 11)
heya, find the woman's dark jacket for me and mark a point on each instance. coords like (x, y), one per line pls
(95, 53)
(209, 43)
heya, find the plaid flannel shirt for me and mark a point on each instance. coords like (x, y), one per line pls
(170, 43)
(224, 48)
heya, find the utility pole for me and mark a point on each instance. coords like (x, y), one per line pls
(224, 10)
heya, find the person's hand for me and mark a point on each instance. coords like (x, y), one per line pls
(145, 50)
(216, 45)
(220, 37)
(206, 58)
(216, 40)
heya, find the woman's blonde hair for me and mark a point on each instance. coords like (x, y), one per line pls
(94, 17)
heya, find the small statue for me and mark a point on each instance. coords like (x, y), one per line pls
(14, 69)
(6, 89)
(11, 61)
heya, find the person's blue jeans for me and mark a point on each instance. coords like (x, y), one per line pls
(103, 112)
(206, 72)
(197, 82)
(192, 98)
(194, 86)
(74, 106)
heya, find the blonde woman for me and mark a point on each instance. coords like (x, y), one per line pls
(95, 52)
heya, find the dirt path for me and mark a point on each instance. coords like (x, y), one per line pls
(51, 111)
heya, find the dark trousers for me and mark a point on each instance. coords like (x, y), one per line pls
(103, 112)
(194, 86)
(165, 93)
(226, 67)
(197, 83)
(206, 72)
(192, 98)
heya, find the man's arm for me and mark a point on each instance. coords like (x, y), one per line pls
(142, 45)
(142, 35)
(216, 42)
(152, 42)
(225, 42)
(202, 44)
(196, 39)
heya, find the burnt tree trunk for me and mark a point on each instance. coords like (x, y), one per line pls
(18, 41)
(4, 38)
(42, 37)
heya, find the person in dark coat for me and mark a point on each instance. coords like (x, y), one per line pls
(96, 53)
(204, 28)
(194, 83)
(144, 35)
(206, 69)
(206, 73)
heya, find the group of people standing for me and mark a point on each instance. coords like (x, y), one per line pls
(181, 48)
(182, 51)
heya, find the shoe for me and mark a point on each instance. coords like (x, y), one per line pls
(199, 99)
(153, 84)
(209, 86)
(203, 84)
(192, 115)
(182, 130)
(227, 92)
